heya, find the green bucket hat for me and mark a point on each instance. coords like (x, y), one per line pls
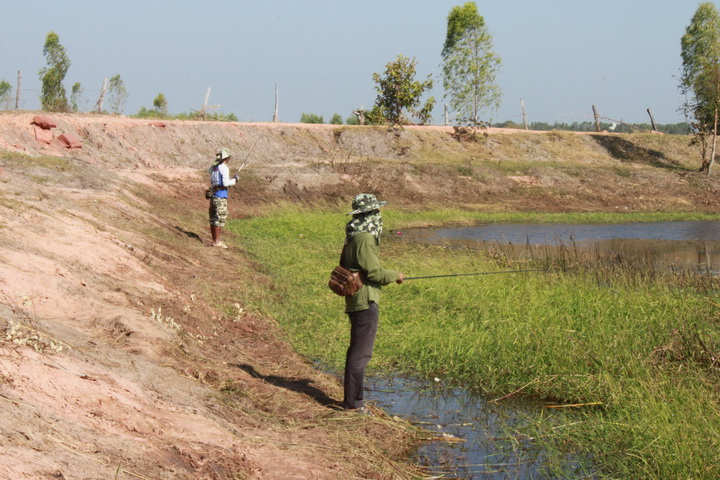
(365, 202)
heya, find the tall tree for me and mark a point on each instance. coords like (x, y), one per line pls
(469, 65)
(76, 96)
(53, 96)
(399, 94)
(117, 94)
(700, 79)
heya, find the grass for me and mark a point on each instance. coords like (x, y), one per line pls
(642, 347)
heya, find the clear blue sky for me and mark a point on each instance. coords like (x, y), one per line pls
(560, 56)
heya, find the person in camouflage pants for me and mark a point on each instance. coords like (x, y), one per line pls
(220, 180)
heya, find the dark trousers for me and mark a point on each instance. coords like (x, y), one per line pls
(363, 329)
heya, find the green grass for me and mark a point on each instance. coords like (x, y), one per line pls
(643, 346)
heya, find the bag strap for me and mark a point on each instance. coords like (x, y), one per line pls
(342, 252)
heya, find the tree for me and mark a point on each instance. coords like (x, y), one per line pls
(161, 104)
(5, 94)
(336, 119)
(469, 65)
(399, 93)
(311, 118)
(76, 96)
(700, 79)
(53, 96)
(117, 94)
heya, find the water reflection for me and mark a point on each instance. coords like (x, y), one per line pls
(678, 243)
(476, 439)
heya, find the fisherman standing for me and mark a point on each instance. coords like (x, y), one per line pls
(220, 180)
(360, 253)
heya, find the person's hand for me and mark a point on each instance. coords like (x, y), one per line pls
(237, 175)
(401, 278)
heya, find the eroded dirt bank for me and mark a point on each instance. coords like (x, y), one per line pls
(122, 351)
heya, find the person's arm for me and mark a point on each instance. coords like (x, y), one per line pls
(367, 258)
(227, 181)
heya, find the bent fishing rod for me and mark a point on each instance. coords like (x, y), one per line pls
(476, 273)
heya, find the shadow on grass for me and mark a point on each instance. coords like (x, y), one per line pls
(626, 151)
(299, 385)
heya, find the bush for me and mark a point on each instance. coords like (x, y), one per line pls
(311, 118)
(336, 119)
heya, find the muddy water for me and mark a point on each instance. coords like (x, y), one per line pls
(475, 439)
(692, 243)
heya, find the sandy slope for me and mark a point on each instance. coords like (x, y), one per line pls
(115, 361)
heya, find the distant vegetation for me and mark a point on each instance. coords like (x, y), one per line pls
(160, 111)
(311, 118)
(682, 128)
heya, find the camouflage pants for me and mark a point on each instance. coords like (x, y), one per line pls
(218, 211)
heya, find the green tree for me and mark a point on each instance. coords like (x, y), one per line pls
(700, 79)
(399, 94)
(117, 94)
(336, 119)
(469, 65)
(161, 105)
(53, 96)
(311, 118)
(5, 94)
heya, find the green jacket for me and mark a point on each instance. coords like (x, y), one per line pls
(361, 254)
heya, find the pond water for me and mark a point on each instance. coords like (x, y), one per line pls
(688, 243)
(476, 439)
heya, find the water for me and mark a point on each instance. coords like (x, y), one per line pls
(476, 439)
(678, 243)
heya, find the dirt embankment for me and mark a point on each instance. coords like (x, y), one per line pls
(122, 351)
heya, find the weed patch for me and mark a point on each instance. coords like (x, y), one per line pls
(600, 334)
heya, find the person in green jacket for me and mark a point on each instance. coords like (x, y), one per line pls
(360, 253)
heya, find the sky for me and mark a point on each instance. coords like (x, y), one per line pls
(559, 57)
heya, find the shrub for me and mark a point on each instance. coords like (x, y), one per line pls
(311, 118)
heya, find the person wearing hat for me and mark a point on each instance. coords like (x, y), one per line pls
(220, 180)
(360, 253)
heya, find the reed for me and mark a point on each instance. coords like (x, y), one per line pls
(635, 348)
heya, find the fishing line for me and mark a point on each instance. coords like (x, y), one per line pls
(476, 273)
(247, 156)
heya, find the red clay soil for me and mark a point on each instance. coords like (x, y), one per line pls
(122, 352)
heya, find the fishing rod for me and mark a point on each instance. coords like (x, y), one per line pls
(477, 273)
(247, 156)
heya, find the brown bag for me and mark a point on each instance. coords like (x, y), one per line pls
(344, 282)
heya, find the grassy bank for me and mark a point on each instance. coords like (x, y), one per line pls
(641, 348)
